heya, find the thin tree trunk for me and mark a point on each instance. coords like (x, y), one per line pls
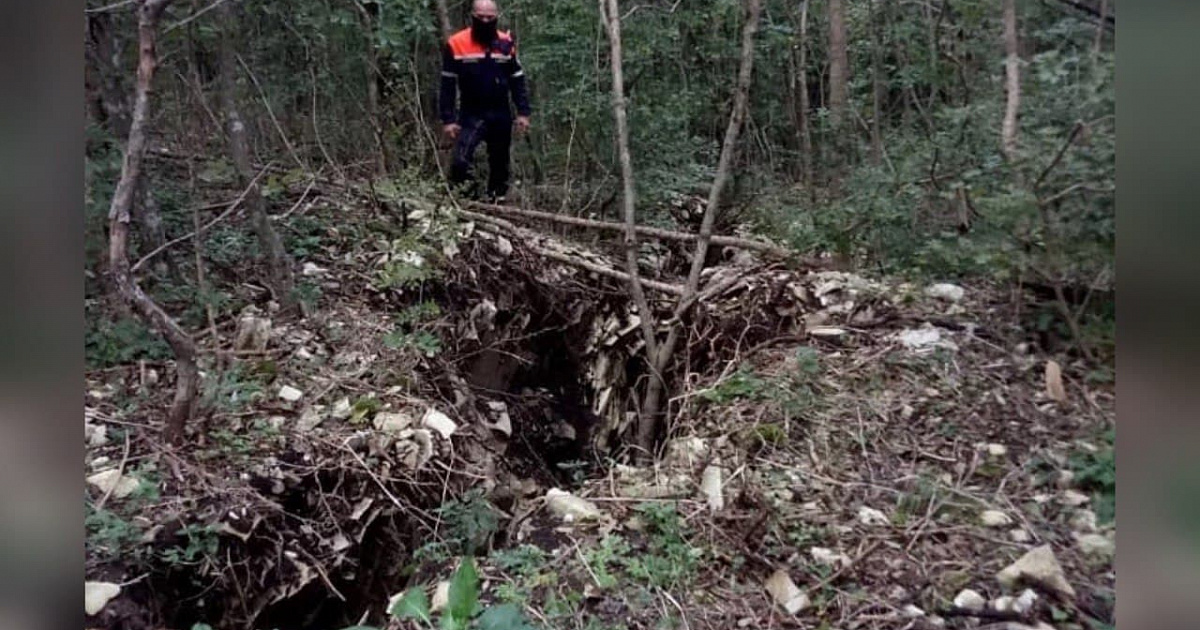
(369, 20)
(839, 63)
(279, 265)
(101, 50)
(1099, 45)
(806, 148)
(444, 18)
(611, 16)
(650, 422)
(1012, 81)
(187, 376)
(876, 20)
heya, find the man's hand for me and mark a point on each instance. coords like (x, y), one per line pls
(451, 130)
(522, 124)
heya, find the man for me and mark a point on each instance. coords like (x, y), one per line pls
(480, 62)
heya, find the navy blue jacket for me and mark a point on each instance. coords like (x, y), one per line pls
(485, 75)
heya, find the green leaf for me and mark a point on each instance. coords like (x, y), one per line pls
(201, 626)
(413, 605)
(502, 617)
(464, 591)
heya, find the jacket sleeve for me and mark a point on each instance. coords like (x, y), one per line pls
(520, 89)
(449, 91)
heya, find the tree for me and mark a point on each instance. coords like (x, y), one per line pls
(1012, 83)
(610, 15)
(184, 348)
(651, 421)
(839, 62)
(279, 264)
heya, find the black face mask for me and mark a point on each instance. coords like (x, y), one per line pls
(483, 32)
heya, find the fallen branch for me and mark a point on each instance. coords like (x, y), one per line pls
(659, 233)
(499, 225)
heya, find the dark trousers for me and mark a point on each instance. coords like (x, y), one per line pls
(496, 131)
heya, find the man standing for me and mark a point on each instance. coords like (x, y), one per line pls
(480, 62)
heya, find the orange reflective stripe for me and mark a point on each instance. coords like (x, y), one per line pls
(463, 46)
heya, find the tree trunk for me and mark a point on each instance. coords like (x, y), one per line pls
(1099, 44)
(444, 18)
(650, 423)
(610, 15)
(806, 159)
(369, 20)
(187, 376)
(839, 63)
(279, 265)
(1012, 81)
(877, 23)
(101, 51)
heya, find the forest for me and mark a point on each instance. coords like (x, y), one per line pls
(794, 314)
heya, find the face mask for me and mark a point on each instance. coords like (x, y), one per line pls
(481, 31)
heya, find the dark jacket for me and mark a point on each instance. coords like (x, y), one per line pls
(485, 75)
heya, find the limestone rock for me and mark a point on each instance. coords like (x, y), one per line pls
(870, 516)
(439, 422)
(113, 481)
(569, 507)
(710, 486)
(968, 599)
(392, 422)
(1040, 565)
(96, 596)
(995, 518)
(290, 394)
(1096, 545)
(785, 592)
(946, 292)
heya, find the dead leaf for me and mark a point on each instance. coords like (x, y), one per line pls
(1054, 382)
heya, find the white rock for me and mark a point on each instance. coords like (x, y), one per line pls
(311, 418)
(1096, 545)
(113, 481)
(96, 595)
(785, 592)
(392, 422)
(828, 557)
(1019, 535)
(439, 422)
(304, 354)
(919, 338)
(912, 611)
(95, 434)
(290, 394)
(1003, 604)
(1040, 565)
(312, 269)
(871, 516)
(1073, 498)
(100, 462)
(342, 409)
(710, 486)
(995, 518)
(1083, 520)
(968, 599)
(569, 507)
(504, 245)
(997, 450)
(441, 596)
(1025, 602)
(946, 292)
